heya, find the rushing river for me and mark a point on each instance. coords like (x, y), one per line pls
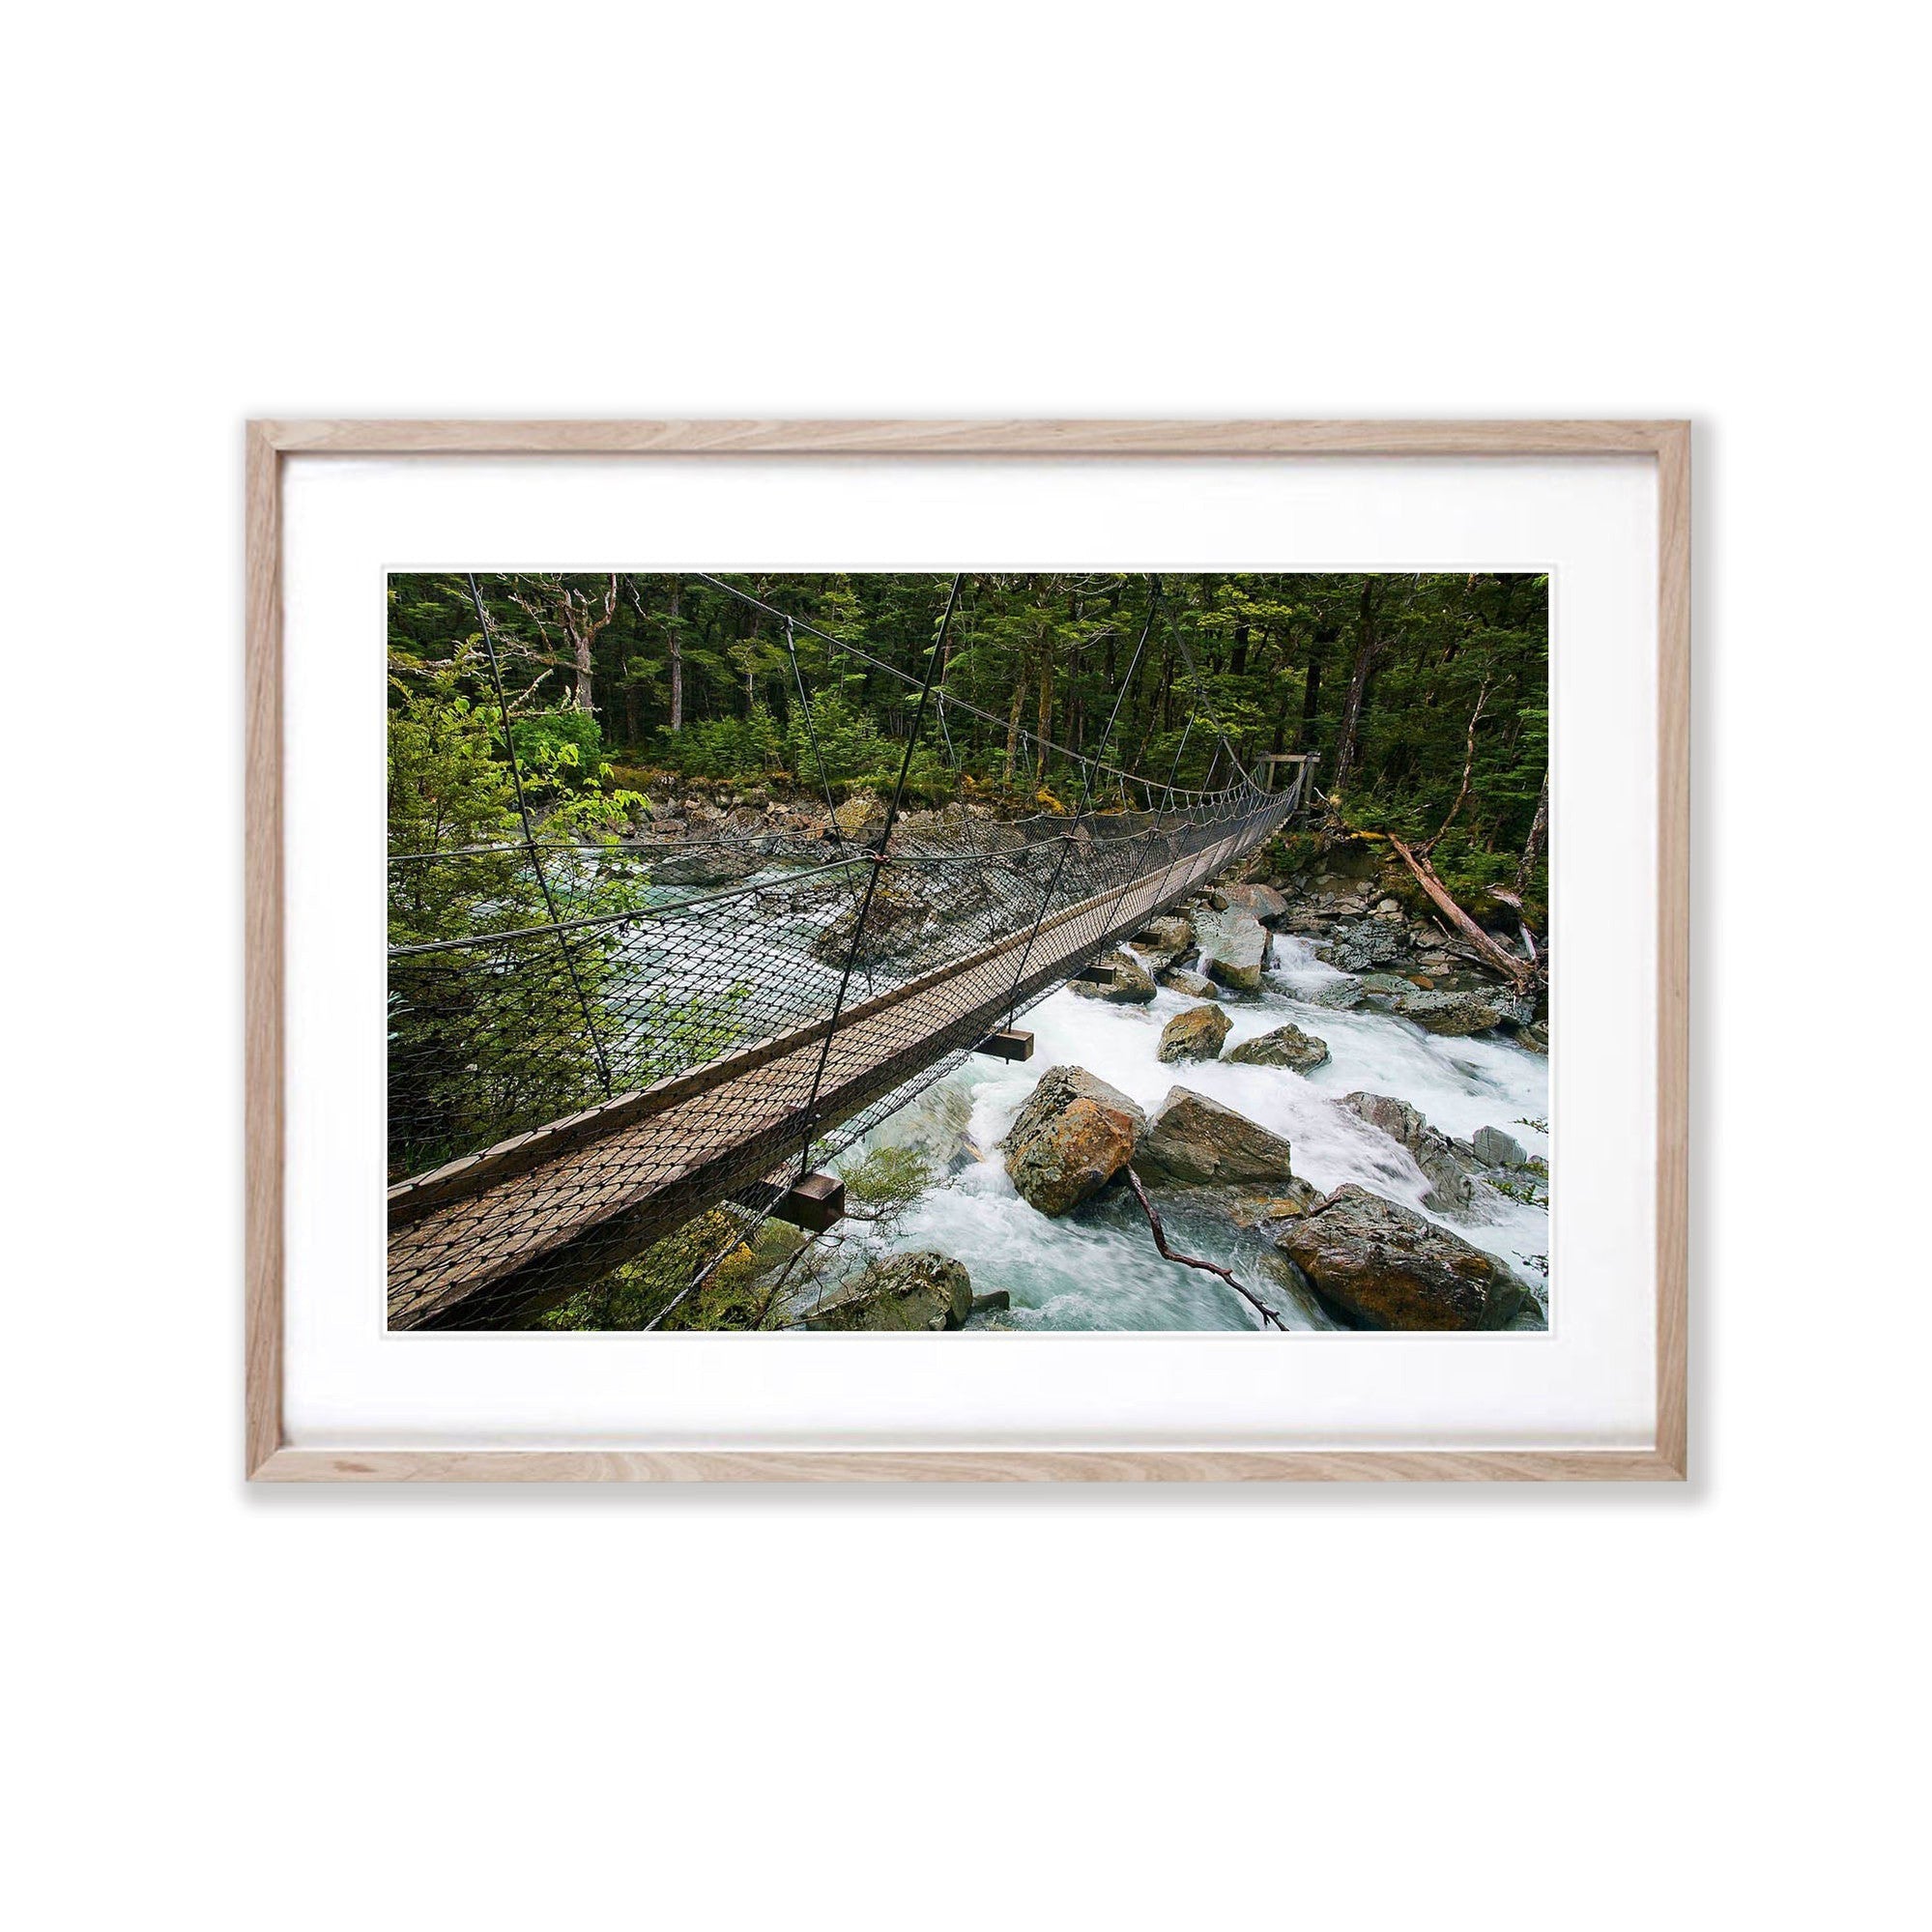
(1097, 1268)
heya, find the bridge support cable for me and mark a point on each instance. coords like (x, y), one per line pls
(530, 836)
(845, 646)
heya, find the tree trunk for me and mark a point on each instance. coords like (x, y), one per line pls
(1311, 692)
(1358, 685)
(674, 632)
(1013, 727)
(583, 628)
(1046, 720)
(1539, 831)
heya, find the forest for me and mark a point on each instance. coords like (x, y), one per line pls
(1424, 696)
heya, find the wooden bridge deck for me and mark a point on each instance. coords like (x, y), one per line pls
(496, 1238)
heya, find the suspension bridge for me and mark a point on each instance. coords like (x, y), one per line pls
(643, 1072)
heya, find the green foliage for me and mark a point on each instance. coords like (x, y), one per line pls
(1394, 664)
(471, 1046)
(1288, 854)
(851, 748)
(565, 745)
(725, 747)
(887, 1182)
(746, 1289)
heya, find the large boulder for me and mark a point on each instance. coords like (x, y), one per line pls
(1251, 1205)
(1285, 1047)
(1234, 949)
(1496, 1149)
(895, 923)
(1450, 1191)
(1374, 1264)
(1365, 945)
(1193, 1141)
(861, 819)
(956, 892)
(718, 864)
(1164, 940)
(1132, 985)
(1339, 995)
(937, 1126)
(920, 1292)
(1262, 900)
(1453, 1013)
(1195, 986)
(1194, 1034)
(1072, 1136)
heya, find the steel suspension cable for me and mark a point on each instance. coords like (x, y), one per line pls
(891, 669)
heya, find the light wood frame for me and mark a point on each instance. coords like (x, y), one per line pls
(267, 1458)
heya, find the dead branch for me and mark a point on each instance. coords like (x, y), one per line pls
(1511, 900)
(1468, 765)
(1168, 1253)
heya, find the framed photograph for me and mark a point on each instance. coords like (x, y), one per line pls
(968, 951)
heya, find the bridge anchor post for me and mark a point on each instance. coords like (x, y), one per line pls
(1008, 1043)
(818, 1203)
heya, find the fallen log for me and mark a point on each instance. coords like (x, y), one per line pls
(1520, 974)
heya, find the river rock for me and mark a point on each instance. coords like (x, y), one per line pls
(895, 922)
(1450, 1191)
(1496, 1149)
(1371, 943)
(861, 819)
(1171, 935)
(1194, 1034)
(1254, 1205)
(1263, 902)
(1374, 1264)
(1133, 985)
(1072, 1136)
(920, 1292)
(1285, 1047)
(935, 1125)
(1193, 1141)
(1339, 995)
(1196, 986)
(1234, 949)
(706, 865)
(1452, 1014)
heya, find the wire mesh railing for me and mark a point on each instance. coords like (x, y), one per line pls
(610, 1059)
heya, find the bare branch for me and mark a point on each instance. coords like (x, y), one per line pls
(1468, 765)
(1168, 1253)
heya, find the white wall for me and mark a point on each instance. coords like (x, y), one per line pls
(1386, 1708)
